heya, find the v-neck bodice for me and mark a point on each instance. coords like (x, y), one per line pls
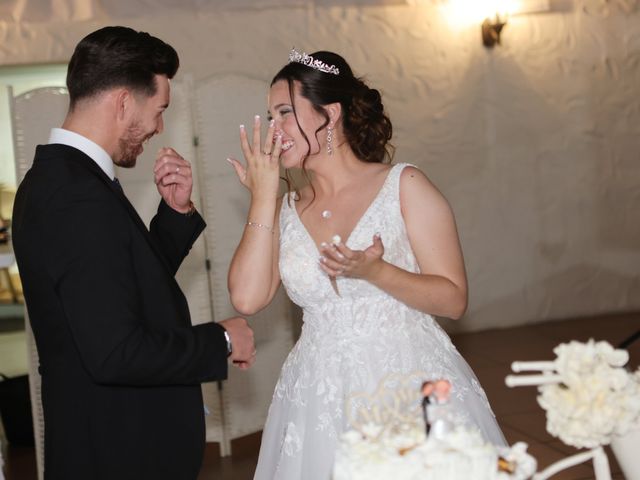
(304, 280)
(372, 204)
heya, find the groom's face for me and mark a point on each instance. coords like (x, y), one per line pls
(145, 121)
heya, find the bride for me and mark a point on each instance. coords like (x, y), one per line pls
(369, 250)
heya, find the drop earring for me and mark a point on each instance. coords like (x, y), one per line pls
(329, 141)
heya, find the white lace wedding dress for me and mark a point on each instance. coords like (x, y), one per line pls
(349, 343)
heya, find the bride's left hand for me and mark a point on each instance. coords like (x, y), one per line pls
(339, 260)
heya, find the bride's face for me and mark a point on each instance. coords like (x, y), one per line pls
(294, 145)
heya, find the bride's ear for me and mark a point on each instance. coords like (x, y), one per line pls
(334, 110)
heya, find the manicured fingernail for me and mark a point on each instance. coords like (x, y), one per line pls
(336, 239)
(241, 127)
(257, 117)
(272, 123)
(341, 256)
(322, 259)
(229, 160)
(378, 235)
(324, 245)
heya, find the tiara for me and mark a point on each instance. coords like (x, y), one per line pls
(309, 61)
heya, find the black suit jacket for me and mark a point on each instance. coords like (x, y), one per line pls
(121, 364)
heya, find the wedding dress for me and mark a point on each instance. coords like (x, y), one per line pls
(349, 342)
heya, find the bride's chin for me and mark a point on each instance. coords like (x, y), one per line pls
(289, 165)
(289, 161)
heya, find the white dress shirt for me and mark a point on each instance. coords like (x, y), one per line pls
(86, 146)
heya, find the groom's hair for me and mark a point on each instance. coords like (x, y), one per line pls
(118, 57)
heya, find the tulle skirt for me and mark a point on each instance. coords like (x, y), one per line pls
(336, 364)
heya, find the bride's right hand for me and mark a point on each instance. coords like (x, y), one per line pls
(261, 174)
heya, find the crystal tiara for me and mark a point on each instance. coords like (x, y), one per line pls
(309, 61)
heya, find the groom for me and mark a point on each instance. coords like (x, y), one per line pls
(121, 364)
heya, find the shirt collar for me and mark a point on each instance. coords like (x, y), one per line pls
(86, 146)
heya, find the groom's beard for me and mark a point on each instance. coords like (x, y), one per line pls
(131, 145)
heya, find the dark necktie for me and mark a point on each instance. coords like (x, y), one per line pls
(116, 182)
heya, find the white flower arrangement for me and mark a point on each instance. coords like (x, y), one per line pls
(596, 397)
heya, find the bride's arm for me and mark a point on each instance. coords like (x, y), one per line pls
(253, 275)
(441, 286)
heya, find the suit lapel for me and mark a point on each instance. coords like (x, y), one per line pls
(93, 168)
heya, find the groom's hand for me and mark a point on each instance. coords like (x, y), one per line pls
(173, 177)
(243, 348)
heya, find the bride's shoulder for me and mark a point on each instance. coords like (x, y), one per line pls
(415, 184)
(412, 174)
(408, 169)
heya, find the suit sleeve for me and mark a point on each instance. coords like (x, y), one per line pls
(175, 233)
(96, 282)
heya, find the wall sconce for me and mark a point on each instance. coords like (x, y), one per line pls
(491, 30)
(493, 14)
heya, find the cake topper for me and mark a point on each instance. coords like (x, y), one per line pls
(395, 403)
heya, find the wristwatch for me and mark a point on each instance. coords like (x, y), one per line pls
(228, 340)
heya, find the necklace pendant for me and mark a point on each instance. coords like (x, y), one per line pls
(326, 214)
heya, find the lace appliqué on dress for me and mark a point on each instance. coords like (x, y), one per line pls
(350, 342)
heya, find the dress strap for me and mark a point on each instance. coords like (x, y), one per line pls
(394, 177)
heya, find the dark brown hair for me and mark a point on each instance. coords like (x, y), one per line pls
(365, 124)
(118, 57)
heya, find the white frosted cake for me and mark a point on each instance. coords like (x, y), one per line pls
(407, 454)
(388, 449)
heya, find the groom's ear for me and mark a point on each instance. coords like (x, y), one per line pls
(334, 110)
(123, 102)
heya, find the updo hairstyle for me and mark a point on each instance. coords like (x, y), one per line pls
(366, 127)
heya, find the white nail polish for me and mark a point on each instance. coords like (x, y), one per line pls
(241, 127)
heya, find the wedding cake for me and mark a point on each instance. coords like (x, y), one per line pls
(437, 450)
(461, 455)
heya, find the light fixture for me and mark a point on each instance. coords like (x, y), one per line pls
(492, 14)
(491, 30)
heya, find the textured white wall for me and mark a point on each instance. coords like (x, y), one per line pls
(535, 143)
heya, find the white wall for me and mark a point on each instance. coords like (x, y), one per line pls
(535, 143)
